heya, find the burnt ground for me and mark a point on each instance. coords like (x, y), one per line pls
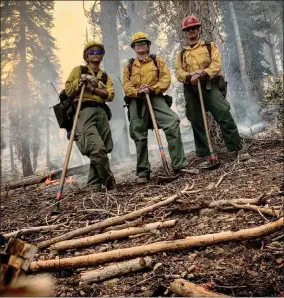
(244, 268)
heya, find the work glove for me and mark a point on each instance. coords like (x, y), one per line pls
(90, 87)
(203, 74)
(195, 78)
(144, 88)
(88, 78)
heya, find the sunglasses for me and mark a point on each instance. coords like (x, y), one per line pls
(139, 43)
(95, 52)
(191, 28)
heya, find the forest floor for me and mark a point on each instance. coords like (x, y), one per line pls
(241, 268)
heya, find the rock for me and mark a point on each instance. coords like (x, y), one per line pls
(210, 186)
(157, 266)
(184, 274)
(192, 256)
(191, 268)
(111, 282)
(190, 276)
(206, 211)
(252, 273)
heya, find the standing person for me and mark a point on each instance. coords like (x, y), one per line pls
(93, 134)
(150, 74)
(201, 60)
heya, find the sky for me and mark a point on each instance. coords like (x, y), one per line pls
(70, 33)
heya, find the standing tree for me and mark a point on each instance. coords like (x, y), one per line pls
(26, 42)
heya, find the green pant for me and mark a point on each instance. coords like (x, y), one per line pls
(93, 138)
(216, 104)
(166, 120)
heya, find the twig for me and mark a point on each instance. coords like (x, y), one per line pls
(31, 229)
(278, 238)
(220, 180)
(262, 215)
(98, 210)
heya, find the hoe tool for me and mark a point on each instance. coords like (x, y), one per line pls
(213, 163)
(168, 177)
(56, 209)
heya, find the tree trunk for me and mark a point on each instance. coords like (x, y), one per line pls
(112, 66)
(272, 59)
(12, 162)
(244, 75)
(25, 127)
(47, 136)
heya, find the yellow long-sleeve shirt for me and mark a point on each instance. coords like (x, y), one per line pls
(72, 86)
(198, 58)
(146, 73)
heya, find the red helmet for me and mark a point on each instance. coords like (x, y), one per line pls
(190, 21)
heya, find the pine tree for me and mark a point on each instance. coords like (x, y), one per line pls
(26, 42)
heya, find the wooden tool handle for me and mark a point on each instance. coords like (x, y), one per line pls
(69, 149)
(204, 118)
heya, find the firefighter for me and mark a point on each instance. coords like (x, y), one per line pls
(201, 60)
(93, 134)
(150, 74)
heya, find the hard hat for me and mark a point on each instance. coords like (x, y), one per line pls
(139, 36)
(190, 21)
(91, 44)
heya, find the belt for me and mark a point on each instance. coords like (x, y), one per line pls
(90, 104)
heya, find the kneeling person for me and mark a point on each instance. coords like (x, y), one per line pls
(93, 134)
(150, 74)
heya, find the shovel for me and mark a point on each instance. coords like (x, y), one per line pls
(168, 177)
(56, 209)
(212, 158)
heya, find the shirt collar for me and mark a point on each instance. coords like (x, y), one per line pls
(199, 43)
(137, 63)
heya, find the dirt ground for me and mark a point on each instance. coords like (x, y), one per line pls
(243, 268)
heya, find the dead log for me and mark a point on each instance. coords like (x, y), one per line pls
(128, 224)
(111, 235)
(109, 222)
(30, 180)
(196, 241)
(116, 269)
(222, 203)
(263, 210)
(30, 230)
(184, 288)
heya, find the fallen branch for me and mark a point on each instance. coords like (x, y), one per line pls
(263, 210)
(134, 223)
(184, 288)
(196, 241)
(221, 203)
(31, 180)
(111, 235)
(110, 221)
(152, 199)
(31, 229)
(116, 269)
(221, 179)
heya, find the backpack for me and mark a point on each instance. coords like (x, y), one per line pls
(221, 83)
(65, 109)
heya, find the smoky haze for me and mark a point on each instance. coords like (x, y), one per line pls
(113, 23)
